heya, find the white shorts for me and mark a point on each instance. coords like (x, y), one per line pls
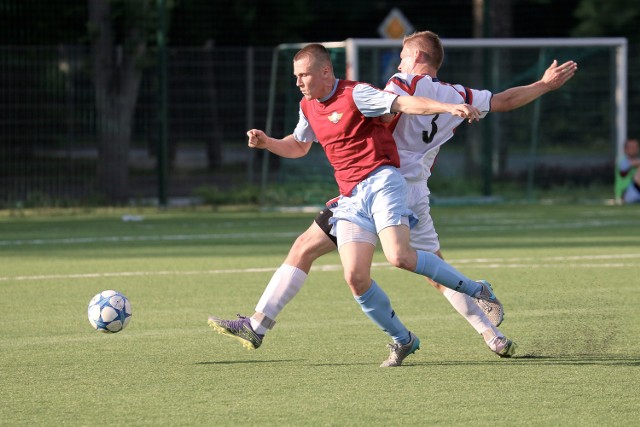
(423, 234)
(348, 232)
(376, 203)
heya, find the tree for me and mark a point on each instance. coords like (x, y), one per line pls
(619, 18)
(243, 22)
(119, 31)
(612, 18)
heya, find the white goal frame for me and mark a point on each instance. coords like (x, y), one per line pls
(619, 43)
(352, 46)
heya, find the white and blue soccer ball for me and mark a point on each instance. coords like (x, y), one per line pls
(109, 312)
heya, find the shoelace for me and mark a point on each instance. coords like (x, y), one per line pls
(487, 293)
(395, 349)
(486, 307)
(237, 323)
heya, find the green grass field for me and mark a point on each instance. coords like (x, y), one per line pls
(567, 275)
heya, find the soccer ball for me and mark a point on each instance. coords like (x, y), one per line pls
(109, 312)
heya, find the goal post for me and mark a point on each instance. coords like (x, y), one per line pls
(580, 126)
(619, 44)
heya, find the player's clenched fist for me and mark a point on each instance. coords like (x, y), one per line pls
(257, 138)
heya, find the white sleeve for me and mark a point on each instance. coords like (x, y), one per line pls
(303, 131)
(372, 102)
(482, 101)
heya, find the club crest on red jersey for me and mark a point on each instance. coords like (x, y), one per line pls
(335, 117)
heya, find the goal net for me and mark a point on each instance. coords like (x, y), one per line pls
(568, 139)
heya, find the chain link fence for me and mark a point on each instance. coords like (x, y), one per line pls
(48, 127)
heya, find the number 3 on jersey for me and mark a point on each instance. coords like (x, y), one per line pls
(427, 136)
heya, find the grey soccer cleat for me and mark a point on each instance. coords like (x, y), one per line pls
(399, 352)
(489, 304)
(239, 329)
(504, 347)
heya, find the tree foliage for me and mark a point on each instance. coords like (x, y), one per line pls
(270, 22)
(613, 18)
(238, 22)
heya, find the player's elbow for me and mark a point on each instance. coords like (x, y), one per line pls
(301, 149)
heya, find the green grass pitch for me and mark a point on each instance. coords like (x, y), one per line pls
(569, 277)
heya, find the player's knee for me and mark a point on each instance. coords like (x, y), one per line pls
(357, 281)
(303, 245)
(314, 244)
(401, 259)
(306, 249)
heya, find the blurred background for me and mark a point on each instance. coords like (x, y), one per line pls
(147, 102)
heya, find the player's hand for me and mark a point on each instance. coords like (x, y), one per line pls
(257, 138)
(557, 75)
(466, 111)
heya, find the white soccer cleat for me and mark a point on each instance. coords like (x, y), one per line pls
(399, 352)
(489, 303)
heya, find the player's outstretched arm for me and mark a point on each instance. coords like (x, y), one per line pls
(285, 147)
(554, 77)
(426, 106)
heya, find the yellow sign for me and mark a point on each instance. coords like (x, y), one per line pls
(395, 25)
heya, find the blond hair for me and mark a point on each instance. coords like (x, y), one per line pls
(429, 44)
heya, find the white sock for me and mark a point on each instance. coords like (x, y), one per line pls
(283, 286)
(469, 310)
(491, 338)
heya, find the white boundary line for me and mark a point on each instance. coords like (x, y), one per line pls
(493, 263)
(159, 238)
(512, 225)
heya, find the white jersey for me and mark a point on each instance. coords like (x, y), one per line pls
(419, 137)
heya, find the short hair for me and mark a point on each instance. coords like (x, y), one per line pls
(428, 43)
(316, 53)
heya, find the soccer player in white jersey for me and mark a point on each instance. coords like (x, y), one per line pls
(418, 139)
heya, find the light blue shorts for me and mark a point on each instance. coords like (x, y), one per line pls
(377, 202)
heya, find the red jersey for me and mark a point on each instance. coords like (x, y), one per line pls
(354, 144)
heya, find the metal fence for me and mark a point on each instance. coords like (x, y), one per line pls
(48, 124)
